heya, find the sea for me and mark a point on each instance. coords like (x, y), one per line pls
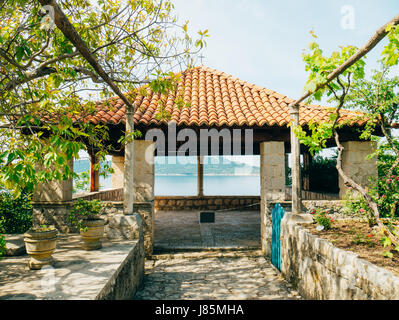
(234, 183)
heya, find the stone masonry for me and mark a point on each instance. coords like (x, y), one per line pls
(214, 276)
(144, 175)
(355, 164)
(321, 271)
(272, 171)
(54, 191)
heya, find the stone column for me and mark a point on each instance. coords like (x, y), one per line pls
(118, 165)
(52, 201)
(295, 164)
(55, 191)
(354, 163)
(272, 179)
(143, 189)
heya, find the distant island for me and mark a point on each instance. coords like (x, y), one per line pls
(230, 168)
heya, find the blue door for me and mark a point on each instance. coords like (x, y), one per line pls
(277, 215)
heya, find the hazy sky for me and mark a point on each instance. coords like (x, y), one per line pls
(261, 41)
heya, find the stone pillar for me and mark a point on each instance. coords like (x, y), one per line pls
(354, 163)
(295, 164)
(272, 180)
(51, 203)
(55, 191)
(143, 189)
(143, 185)
(118, 165)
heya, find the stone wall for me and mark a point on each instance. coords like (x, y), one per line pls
(354, 163)
(321, 271)
(118, 225)
(207, 203)
(333, 206)
(53, 214)
(55, 191)
(272, 182)
(128, 278)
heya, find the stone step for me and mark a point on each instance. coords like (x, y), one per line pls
(209, 253)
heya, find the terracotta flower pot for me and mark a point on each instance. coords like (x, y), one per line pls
(40, 245)
(93, 235)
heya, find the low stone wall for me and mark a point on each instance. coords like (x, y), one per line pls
(114, 272)
(310, 195)
(333, 206)
(207, 203)
(128, 278)
(104, 195)
(118, 226)
(323, 272)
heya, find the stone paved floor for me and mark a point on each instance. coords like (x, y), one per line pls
(240, 275)
(182, 230)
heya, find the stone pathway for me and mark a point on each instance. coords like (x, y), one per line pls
(236, 229)
(240, 275)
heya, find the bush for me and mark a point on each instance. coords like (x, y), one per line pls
(15, 214)
(2, 246)
(320, 217)
(323, 175)
(84, 210)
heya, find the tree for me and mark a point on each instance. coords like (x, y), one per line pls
(47, 85)
(377, 97)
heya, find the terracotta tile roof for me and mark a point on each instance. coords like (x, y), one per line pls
(217, 99)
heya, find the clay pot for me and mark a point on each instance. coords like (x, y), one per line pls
(40, 245)
(93, 235)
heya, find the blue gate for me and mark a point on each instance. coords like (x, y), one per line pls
(277, 215)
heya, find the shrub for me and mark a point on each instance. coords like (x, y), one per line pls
(2, 246)
(84, 210)
(323, 175)
(15, 214)
(320, 217)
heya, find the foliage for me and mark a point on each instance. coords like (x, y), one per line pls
(84, 210)
(81, 181)
(15, 214)
(354, 203)
(320, 217)
(360, 239)
(2, 245)
(377, 97)
(323, 174)
(387, 243)
(47, 88)
(42, 228)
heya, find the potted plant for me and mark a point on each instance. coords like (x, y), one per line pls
(40, 243)
(85, 216)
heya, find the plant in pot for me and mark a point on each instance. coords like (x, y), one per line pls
(85, 216)
(40, 243)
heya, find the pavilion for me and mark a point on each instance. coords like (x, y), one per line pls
(222, 102)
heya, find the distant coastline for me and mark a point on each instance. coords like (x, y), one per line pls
(208, 175)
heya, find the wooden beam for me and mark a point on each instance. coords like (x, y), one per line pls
(94, 174)
(307, 159)
(200, 176)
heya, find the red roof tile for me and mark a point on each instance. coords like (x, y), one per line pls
(218, 99)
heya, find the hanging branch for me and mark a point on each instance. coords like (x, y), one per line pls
(380, 34)
(71, 34)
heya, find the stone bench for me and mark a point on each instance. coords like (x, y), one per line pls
(114, 272)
